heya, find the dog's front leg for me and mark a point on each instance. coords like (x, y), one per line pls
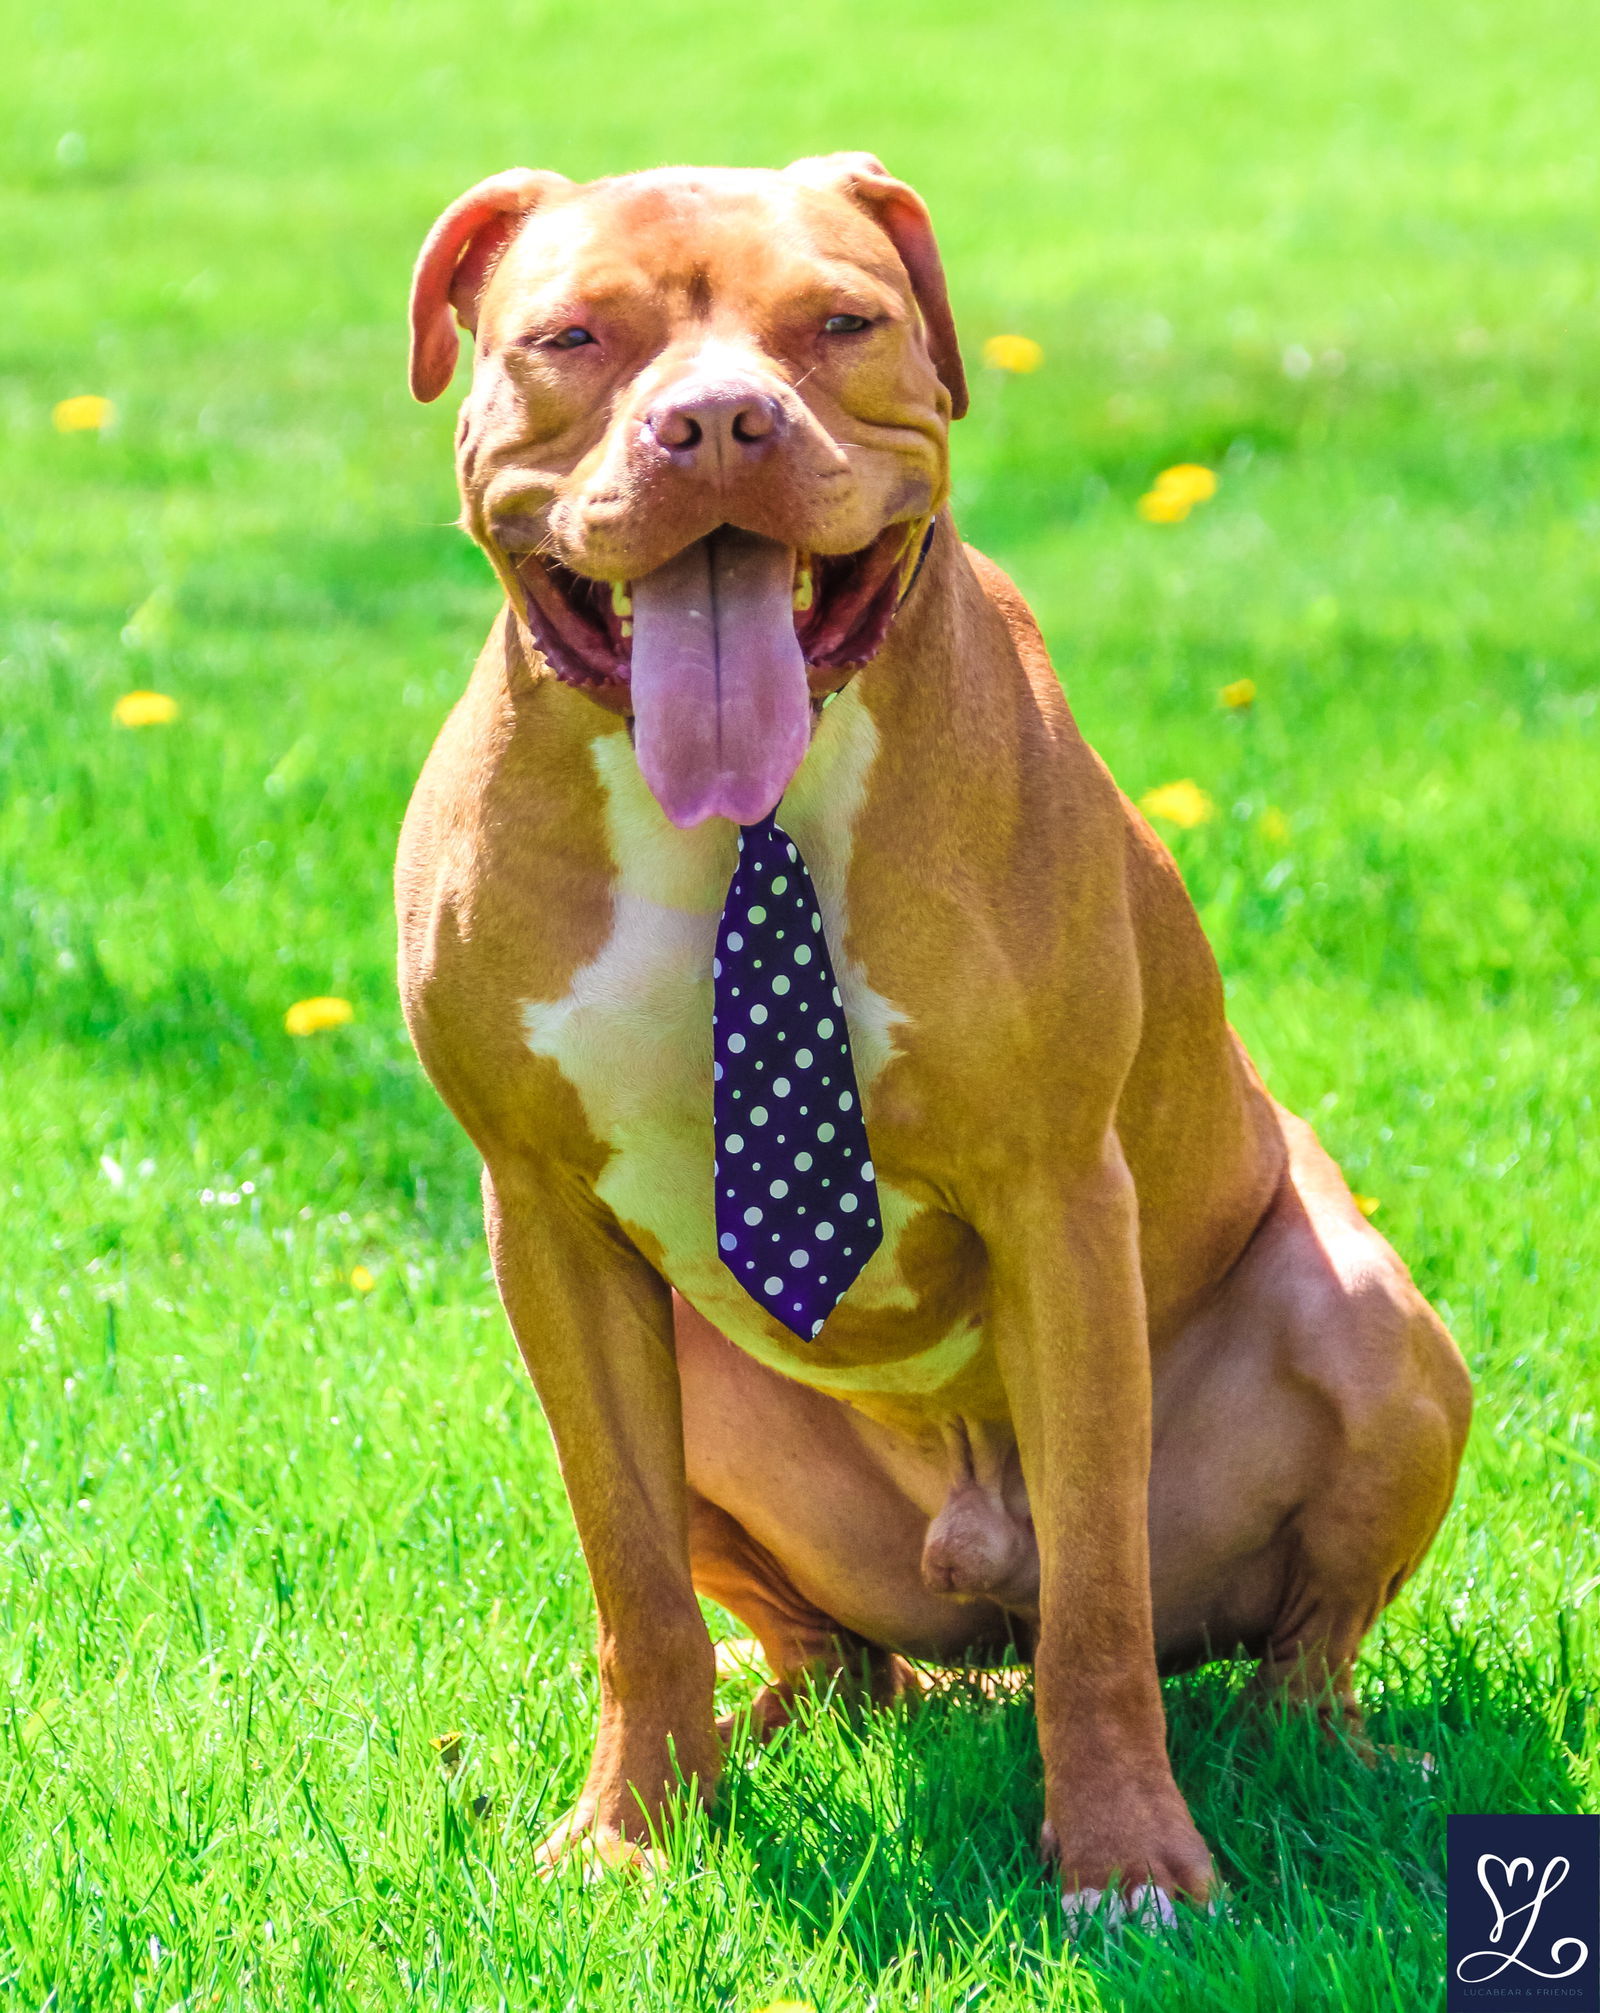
(1067, 1307)
(594, 1323)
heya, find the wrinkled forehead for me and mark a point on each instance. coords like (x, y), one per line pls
(709, 236)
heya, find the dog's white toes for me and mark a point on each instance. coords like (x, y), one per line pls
(1151, 1908)
(1146, 1907)
(1409, 1757)
(1081, 1907)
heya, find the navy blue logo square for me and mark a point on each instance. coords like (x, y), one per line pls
(1523, 1915)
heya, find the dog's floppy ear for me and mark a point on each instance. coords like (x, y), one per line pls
(903, 217)
(456, 258)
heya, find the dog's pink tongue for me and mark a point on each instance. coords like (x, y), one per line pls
(721, 710)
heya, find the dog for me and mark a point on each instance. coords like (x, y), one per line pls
(1129, 1382)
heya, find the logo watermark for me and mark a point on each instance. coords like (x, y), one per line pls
(1524, 1914)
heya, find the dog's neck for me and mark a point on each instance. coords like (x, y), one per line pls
(963, 685)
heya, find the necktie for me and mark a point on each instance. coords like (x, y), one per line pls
(797, 1200)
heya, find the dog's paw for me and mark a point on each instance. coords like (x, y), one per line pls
(596, 1850)
(1135, 1871)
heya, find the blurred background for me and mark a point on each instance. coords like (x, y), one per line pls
(263, 1432)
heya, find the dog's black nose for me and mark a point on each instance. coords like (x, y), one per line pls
(715, 426)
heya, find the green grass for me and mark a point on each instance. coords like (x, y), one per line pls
(264, 1536)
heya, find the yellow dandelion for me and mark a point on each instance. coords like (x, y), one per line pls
(1183, 804)
(1274, 825)
(1175, 492)
(1156, 508)
(87, 413)
(1369, 1205)
(1020, 355)
(448, 1748)
(361, 1279)
(312, 1016)
(145, 709)
(1187, 479)
(1239, 696)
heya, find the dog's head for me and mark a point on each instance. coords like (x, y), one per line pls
(706, 432)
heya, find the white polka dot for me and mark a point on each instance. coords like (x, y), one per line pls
(824, 1029)
(816, 1330)
(752, 1217)
(736, 1044)
(773, 1285)
(803, 1162)
(758, 914)
(734, 1143)
(780, 985)
(799, 1258)
(802, 954)
(716, 1072)
(866, 1172)
(781, 1086)
(780, 884)
(824, 1133)
(735, 941)
(716, 968)
(793, 854)
(816, 920)
(836, 999)
(757, 1014)
(778, 1190)
(848, 1202)
(760, 1115)
(845, 1100)
(824, 1231)
(803, 1058)
(727, 1240)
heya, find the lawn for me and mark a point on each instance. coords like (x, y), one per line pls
(271, 1532)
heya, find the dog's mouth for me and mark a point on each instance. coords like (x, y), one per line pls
(843, 604)
(716, 650)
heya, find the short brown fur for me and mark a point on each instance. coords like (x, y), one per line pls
(1200, 1407)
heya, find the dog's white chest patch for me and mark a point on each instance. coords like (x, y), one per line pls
(633, 1032)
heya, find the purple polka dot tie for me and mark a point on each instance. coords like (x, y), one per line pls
(797, 1200)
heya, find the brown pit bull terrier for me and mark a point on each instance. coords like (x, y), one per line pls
(1129, 1382)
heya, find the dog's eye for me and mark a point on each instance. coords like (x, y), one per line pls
(845, 324)
(573, 338)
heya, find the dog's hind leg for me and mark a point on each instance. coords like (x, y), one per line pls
(1363, 1352)
(806, 1650)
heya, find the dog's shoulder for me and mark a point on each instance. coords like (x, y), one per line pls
(502, 878)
